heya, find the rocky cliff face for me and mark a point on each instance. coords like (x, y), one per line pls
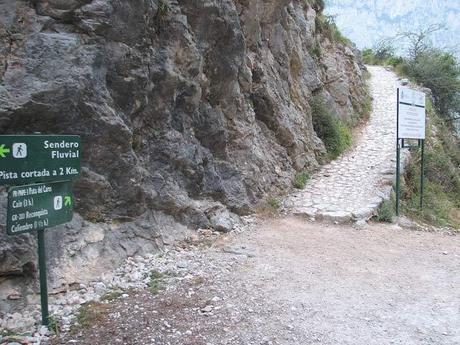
(190, 112)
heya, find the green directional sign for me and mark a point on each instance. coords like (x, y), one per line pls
(39, 158)
(39, 206)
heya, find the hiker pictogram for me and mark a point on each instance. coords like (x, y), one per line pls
(19, 150)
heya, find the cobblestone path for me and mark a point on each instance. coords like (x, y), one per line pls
(353, 186)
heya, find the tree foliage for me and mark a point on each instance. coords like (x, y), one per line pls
(426, 65)
(440, 72)
(419, 41)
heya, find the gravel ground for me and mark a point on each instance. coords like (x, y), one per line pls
(289, 281)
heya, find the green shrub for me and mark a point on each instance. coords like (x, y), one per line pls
(384, 50)
(382, 54)
(394, 61)
(368, 56)
(155, 281)
(327, 26)
(330, 129)
(442, 176)
(317, 51)
(158, 280)
(301, 179)
(402, 69)
(274, 203)
(440, 72)
(386, 212)
(337, 35)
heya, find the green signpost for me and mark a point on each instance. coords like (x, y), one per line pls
(38, 158)
(410, 125)
(46, 164)
(38, 206)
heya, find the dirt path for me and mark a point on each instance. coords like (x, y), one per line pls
(298, 283)
(353, 186)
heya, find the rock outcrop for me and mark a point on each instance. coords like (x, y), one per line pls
(190, 113)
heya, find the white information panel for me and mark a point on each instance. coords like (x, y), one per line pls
(411, 122)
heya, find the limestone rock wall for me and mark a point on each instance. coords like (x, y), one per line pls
(190, 112)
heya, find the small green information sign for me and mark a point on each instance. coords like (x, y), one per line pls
(37, 162)
(39, 206)
(39, 158)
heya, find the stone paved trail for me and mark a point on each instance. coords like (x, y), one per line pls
(353, 186)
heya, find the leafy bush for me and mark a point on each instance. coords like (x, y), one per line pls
(440, 72)
(394, 61)
(424, 64)
(330, 129)
(328, 26)
(274, 203)
(384, 50)
(381, 56)
(317, 51)
(155, 283)
(301, 179)
(386, 212)
(442, 176)
(368, 56)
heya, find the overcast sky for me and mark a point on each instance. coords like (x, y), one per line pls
(367, 21)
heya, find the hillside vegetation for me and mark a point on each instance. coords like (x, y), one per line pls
(442, 175)
(439, 71)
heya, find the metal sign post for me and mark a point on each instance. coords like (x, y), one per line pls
(422, 172)
(42, 274)
(36, 207)
(410, 124)
(398, 158)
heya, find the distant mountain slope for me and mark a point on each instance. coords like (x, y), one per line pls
(366, 21)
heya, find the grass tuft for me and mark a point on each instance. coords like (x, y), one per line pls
(328, 27)
(163, 12)
(274, 203)
(53, 325)
(111, 296)
(90, 313)
(301, 179)
(157, 280)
